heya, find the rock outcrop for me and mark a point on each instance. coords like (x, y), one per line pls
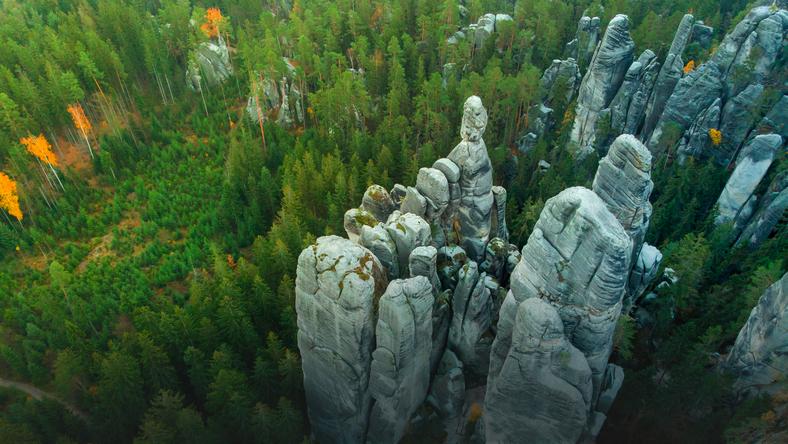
(771, 208)
(278, 99)
(472, 317)
(751, 166)
(209, 64)
(601, 82)
(338, 283)
(669, 74)
(400, 371)
(543, 389)
(577, 259)
(447, 393)
(758, 359)
(475, 182)
(629, 104)
(582, 47)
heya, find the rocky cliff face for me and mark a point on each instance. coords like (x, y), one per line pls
(209, 65)
(758, 359)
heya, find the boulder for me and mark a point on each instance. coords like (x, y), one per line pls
(337, 284)
(543, 390)
(400, 370)
(751, 165)
(758, 359)
(398, 194)
(601, 82)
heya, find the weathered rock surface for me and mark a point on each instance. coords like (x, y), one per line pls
(209, 65)
(696, 141)
(582, 47)
(578, 259)
(337, 284)
(759, 358)
(623, 181)
(560, 81)
(407, 231)
(543, 389)
(694, 93)
(355, 219)
(629, 104)
(601, 82)
(669, 74)
(751, 165)
(498, 216)
(643, 274)
(473, 214)
(280, 98)
(423, 262)
(433, 185)
(738, 116)
(447, 393)
(379, 242)
(400, 370)
(471, 319)
(771, 208)
(776, 120)
(377, 201)
(702, 34)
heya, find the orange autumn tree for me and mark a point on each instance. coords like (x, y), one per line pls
(81, 122)
(213, 19)
(716, 136)
(689, 67)
(9, 199)
(39, 147)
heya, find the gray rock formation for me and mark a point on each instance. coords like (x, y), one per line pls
(759, 359)
(355, 219)
(447, 393)
(407, 231)
(578, 259)
(601, 82)
(473, 213)
(337, 285)
(696, 141)
(771, 208)
(543, 388)
(751, 165)
(379, 242)
(738, 115)
(644, 271)
(400, 370)
(423, 261)
(280, 98)
(560, 81)
(629, 104)
(669, 75)
(694, 93)
(471, 318)
(776, 120)
(582, 47)
(433, 185)
(377, 201)
(623, 181)
(209, 65)
(498, 218)
(702, 34)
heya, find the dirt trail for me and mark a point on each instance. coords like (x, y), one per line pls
(39, 394)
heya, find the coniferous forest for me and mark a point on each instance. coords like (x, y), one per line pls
(164, 163)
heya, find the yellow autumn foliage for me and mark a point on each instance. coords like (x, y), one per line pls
(9, 199)
(39, 147)
(716, 136)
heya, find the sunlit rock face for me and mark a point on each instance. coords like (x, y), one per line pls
(758, 359)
